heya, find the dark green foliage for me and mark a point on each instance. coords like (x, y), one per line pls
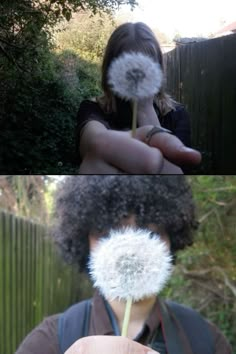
(25, 196)
(39, 117)
(205, 276)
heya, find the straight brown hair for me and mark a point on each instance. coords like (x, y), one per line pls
(132, 37)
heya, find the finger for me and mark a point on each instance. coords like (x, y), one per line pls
(91, 166)
(171, 147)
(107, 345)
(129, 155)
(170, 169)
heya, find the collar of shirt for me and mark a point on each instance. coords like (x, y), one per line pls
(100, 323)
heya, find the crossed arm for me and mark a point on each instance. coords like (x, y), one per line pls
(106, 151)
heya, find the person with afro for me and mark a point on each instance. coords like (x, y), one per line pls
(87, 208)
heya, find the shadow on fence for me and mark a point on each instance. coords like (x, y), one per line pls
(34, 282)
(203, 77)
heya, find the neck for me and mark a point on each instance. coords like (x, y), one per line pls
(139, 313)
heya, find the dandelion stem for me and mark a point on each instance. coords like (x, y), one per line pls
(134, 121)
(126, 317)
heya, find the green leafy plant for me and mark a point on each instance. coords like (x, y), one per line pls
(204, 277)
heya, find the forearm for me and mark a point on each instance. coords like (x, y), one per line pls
(90, 130)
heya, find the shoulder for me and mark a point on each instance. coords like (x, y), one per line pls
(179, 107)
(194, 323)
(186, 315)
(176, 117)
(89, 102)
(183, 312)
(91, 110)
(89, 106)
(221, 343)
(42, 339)
(178, 111)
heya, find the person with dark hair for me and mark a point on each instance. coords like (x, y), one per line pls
(87, 208)
(101, 149)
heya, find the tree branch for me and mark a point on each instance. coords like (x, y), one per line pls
(219, 189)
(205, 302)
(10, 44)
(6, 54)
(205, 216)
(200, 273)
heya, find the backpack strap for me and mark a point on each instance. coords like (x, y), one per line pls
(73, 324)
(196, 328)
(166, 338)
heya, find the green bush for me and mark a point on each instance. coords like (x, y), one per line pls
(205, 275)
(39, 117)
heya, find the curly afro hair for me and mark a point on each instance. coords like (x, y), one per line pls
(86, 204)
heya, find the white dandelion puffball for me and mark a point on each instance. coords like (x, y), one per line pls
(130, 263)
(135, 76)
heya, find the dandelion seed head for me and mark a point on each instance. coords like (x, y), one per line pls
(135, 76)
(130, 263)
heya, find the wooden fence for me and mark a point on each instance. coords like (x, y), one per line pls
(34, 282)
(203, 77)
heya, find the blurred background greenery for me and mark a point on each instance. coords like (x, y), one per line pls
(204, 277)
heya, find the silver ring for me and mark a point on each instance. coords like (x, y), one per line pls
(155, 130)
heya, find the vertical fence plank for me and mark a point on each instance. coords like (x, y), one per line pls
(13, 284)
(7, 237)
(34, 255)
(24, 283)
(31, 280)
(10, 283)
(2, 284)
(18, 281)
